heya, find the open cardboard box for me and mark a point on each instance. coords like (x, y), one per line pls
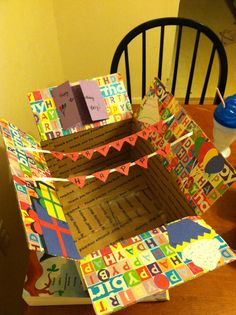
(65, 220)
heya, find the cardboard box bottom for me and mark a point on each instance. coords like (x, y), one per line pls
(101, 213)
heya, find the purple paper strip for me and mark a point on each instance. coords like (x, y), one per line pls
(66, 106)
(94, 99)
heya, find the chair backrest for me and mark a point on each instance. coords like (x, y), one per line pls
(181, 23)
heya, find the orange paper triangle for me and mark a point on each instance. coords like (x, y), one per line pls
(118, 144)
(88, 153)
(103, 149)
(131, 139)
(164, 151)
(143, 161)
(157, 127)
(143, 134)
(58, 155)
(78, 180)
(123, 169)
(73, 156)
(102, 175)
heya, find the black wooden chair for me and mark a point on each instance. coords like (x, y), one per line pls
(181, 23)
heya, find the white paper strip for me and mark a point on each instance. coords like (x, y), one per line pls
(64, 153)
(55, 179)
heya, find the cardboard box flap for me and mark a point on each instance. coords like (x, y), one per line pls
(42, 214)
(128, 271)
(98, 185)
(125, 196)
(46, 114)
(80, 192)
(199, 170)
(110, 182)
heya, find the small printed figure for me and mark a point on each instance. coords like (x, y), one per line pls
(186, 236)
(207, 155)
(204, 253)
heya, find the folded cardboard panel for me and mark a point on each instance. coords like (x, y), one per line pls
(42, 214)
(198, 169)
(172, 170)
(123, 273)
(57, 281)
(46, 114)
(102, 213)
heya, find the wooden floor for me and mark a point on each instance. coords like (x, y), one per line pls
(212, 294)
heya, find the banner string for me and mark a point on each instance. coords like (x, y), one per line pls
(147, 129)
(158, 152)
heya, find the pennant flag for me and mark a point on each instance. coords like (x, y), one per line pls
(144, 134)
(157, 127)
(123, 169)
(73, 155)
(103, 149)
(164, 151)
(143, 162)
(102, 175)
(88, 153)
(78, 180)
(58, 155)
(131, 139)
(118, 144)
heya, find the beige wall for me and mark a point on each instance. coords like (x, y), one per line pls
(216, 15)
(89, 32)
(44, 42)
(30, 56)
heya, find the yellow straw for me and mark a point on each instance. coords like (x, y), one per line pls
(220, 96)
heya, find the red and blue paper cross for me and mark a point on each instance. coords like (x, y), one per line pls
(56, 236)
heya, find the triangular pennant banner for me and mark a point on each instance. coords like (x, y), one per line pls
(164, 151)
(102, 175)
(144, 134)
(103, 149)
(88, 153)
(131, 139)
(118, 144)
(73, 156)
(78, 180)
(123, 169)
(143, 161)
(157, 127)
(58, 155)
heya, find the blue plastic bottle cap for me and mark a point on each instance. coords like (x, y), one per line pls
(226, 116)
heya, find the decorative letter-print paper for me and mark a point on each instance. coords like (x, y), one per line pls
(152, 262)
(126, 272)
(42, 214)
(200, 171)
(46, 116)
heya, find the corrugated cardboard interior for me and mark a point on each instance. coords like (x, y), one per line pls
(103, 213)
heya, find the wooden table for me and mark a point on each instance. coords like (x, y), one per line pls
(215, 292)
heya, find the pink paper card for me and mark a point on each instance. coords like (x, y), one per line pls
(66, 106)
(93, 99)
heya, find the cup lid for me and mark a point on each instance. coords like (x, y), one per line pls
(226, 116)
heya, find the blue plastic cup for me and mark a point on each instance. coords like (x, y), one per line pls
(225, 125)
